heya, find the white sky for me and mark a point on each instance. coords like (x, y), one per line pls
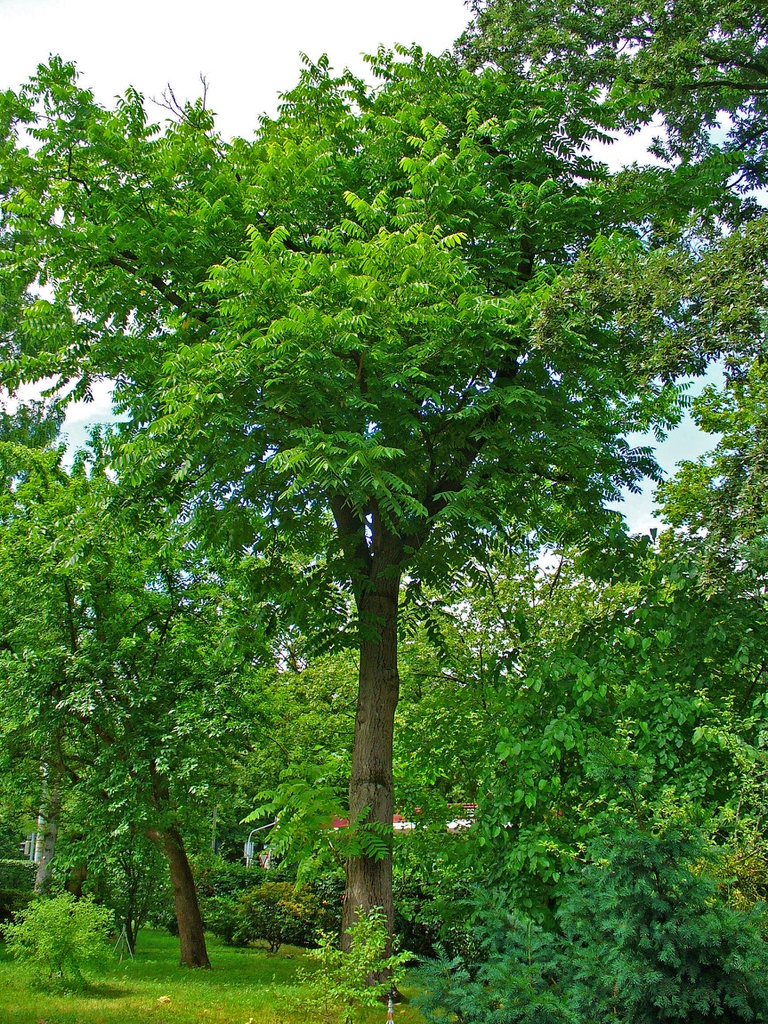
(249, 53)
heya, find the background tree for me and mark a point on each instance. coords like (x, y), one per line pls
(124, 871)
(720, 498)
(403, 385)
(117, 672)
(702, 65)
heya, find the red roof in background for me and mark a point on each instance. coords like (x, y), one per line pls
(398, 819)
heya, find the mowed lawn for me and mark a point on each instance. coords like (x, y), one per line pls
(246, 986)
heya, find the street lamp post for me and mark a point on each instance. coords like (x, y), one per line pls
(248, 848)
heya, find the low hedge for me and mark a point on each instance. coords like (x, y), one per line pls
(17, 881)
(17, 874)
(12, 901)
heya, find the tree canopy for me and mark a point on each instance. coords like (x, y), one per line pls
(406, 318)
(701, 65)
(123, 683)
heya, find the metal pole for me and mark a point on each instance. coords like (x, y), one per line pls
(248, 848)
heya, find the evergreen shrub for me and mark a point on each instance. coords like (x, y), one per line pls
(505, 971)
(653, 941)
(643, 935)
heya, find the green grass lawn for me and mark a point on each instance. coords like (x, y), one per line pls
(246, 986)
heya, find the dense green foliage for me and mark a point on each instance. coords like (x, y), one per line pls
(117, 628)
(16, 874)
(642, 937)
(135, 695)
(702, 64)
(651, 941)
(359, 978)
(61, 940)
(17, 879)
(440, 252)
(381, 370)
(278, 913)
(130, 878)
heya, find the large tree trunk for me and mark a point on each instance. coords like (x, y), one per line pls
(191, 935)
(369, 879)
(47, 833)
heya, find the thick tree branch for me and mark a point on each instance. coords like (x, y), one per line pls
(168, 293)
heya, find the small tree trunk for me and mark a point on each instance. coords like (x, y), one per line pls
(131, 932)
(191, 935)
(369, 880)
(48, 830)
(76, 879)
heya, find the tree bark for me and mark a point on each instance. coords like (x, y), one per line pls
(76, 879)
(131, 933)
(369, 879)
(191, 935)
(48, 830)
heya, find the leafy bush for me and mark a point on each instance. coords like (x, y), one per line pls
(220, 884)
(347, 982)
(218, 877)
(276, 912)
(61, 939)
(428, 919)
(329, 890)
(279, 913)
(221, 915)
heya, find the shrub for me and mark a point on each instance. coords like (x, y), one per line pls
(18, 875)
(17, 880)
(651, 941)
(506, 973)
(61, 939)
(424, 918)
(279, 913)
(276, 912)
(347, 982)
(644, 938)
(218, 877)
(329, 890)
(12, 901)
(221, 916)
(219, 885)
